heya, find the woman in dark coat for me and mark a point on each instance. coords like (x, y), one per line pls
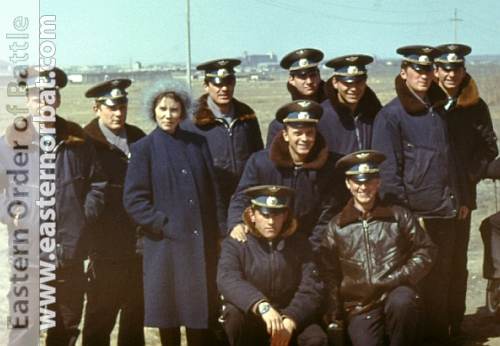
(170, 192)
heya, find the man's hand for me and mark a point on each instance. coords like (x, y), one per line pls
(274, 321)
(282, 338)
(463, 211)
(239, 232)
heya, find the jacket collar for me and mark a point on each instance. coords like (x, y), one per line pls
(368, 106)
(468, 95)
(411, 104)
(349, 214)
(289, 226)
(296, 95)
(202, 114)
(281, 157)
(92, 129)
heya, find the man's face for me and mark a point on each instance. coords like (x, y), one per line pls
(419, 81)
(350, 93)
(36, 100)
(449, 79)
(307, 84)
(268, 225)
(113, 117)
(221, 94)
(364, 192)
(300, 140)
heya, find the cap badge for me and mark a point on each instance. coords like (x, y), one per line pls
(301, 52)
(274, 189)
(426, 50)
(352, 70)
(223, 62)
(303, 115)
(452, 57)
(304, 104)
(303, 62)
(116, 92)
(222, 72)
(452, 47)
(362, 155)
(352, 58)
(115, 82)
(423, 58)
(364, 168)
(271, 200)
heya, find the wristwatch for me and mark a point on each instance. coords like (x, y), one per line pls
(264, 307)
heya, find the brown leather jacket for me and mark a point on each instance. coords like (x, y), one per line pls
(365, 256)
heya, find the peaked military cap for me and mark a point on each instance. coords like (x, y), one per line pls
(350, 68)
(361, 165)
(419, 57)
(34, 76)
(299, 113)
(453, 55)
(219, 71)
(270, 199)
(111, 92)
(302, 61)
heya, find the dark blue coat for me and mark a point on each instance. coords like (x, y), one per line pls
(422, 172)
(170, 191)
(319, 186)
(230, 145)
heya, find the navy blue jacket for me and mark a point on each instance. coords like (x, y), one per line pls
(114, 234)
(170, 191)
(319, 186)
(422, 172)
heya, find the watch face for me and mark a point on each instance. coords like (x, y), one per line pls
(263, 308)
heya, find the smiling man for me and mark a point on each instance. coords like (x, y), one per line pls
(351, 105)
(373, 256)
(423, 172)
(299, 159)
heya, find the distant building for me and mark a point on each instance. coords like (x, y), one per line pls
(248, 60)
(136, 66)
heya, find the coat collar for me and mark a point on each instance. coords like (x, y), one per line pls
(349, 214)
(468, 95)
(296, 95)
(202, 114)
(411, 104)
(316, 159)
(368, 106)
(92, 129)
(289, 226)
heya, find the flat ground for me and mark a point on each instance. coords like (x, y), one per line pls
(266, 97)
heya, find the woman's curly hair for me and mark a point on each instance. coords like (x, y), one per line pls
(166, 87)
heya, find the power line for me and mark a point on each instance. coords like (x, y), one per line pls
(371, 9)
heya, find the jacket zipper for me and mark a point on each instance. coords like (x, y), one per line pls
(368, 251)
(358, 136)
(233, 155)
(273, 286)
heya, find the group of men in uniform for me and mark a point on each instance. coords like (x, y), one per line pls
(431, 145)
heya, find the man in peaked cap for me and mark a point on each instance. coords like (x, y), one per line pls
(115, 267)
(373, 256)
(304, 81)
(68, 155)
(472, 133)
(230, 126)
(351, 105)
(423, 172)
(270, 284)
(299, 159)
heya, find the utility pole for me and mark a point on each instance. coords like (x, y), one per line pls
(188, 57)
(455, 20)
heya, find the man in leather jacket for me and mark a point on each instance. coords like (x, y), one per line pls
(373, 256)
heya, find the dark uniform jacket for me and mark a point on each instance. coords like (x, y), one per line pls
(230, 145)
(319, 186)
(114, 235)
(282, 272)
(170, 191)
(422, 171)
(365, 257)
(275, 126)
(472, 133)
(346, 133)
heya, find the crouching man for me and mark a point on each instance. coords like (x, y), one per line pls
(270, 283)
(373, 256)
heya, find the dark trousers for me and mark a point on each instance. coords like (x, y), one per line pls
(435, 286)
(195, 337)
(114, 286)
(490, 233)
(249, 330)
(397, 317)
(459, 274)
(70, 289)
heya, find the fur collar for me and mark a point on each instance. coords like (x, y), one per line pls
(409, 101)
(202, 114)
(468, 95)
(68, 132)
(316, 159)
(289, 226)
(368, 106)
(296, 95)
(349, 214)
(92, 129)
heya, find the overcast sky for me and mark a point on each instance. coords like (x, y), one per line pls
(154, 31)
